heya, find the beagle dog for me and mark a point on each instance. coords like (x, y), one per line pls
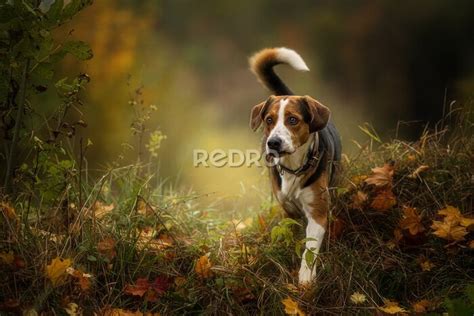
(303, 147)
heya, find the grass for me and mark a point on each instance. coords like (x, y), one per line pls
(123, 229)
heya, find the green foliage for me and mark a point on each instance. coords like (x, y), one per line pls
(283, 231)
(462, 306)
(29, 54)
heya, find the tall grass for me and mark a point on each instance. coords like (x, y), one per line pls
(128, 226)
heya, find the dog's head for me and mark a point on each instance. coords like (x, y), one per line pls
(288, 121)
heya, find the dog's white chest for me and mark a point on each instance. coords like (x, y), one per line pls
(292, 197)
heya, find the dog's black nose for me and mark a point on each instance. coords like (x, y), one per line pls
(274, 143)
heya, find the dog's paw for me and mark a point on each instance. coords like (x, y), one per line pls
(306, 276)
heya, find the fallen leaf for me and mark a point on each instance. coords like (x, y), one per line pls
(83, 279)
(358, 200)
(336, 228)
(106, 247)
(291, 307)
(101, 209)
(418, 171)
(203, 267)
(138, 289)
(56, 271)
(453, 214)
(72, 309)
(358, 298)
(161, 284)
(426, 264)
(179, 281)
(411, 157)
(357, 180)
(411, 221)
(384, 200)
(7, 257)
(392, 307)
(8, 211)
(449, 230)
(381, 176)
(123, 312)
(421, 306)
(147, 240)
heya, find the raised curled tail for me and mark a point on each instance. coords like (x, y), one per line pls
(262, 62)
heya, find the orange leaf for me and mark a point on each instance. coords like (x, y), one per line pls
(453, 214)
(384, 200)
(138, 289)
(421, 306)
(392, 307)
(381, 176)
(100, 209)
(291, 307)
(335, 228)
(449, 230)
(262, 225)
(56, 271)
(83, 279)
(411, 221)
(358, 199)
(8, 211)
(203, 267)
(106, 247)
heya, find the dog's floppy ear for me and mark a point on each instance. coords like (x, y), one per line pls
(258, 112)
(318, 114)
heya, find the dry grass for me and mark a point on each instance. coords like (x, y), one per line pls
(251, 273)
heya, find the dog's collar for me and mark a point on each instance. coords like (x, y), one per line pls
(312, 161)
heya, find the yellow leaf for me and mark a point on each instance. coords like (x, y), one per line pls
(358, 298)
(392, 307)
(426, 264)
(203, 267)
(72, 309)
(56, 271)
(7, 257)
(449, 229)
(411, 221)
(381, 176)
(384, 200)
(291, 307)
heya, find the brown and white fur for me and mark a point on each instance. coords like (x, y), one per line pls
(295, 126)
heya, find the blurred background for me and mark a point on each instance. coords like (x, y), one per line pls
(381, 62)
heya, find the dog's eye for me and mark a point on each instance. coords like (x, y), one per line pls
(269, 120)
(292, 120)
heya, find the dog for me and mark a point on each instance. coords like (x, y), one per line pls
(302, 147)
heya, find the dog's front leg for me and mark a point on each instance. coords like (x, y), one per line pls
(314, 238)
(316, 214)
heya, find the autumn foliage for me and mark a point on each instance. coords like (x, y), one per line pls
(400, 242)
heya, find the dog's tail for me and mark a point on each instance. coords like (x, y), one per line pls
(262, 62)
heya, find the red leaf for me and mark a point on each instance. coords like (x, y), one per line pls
(161, 284)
